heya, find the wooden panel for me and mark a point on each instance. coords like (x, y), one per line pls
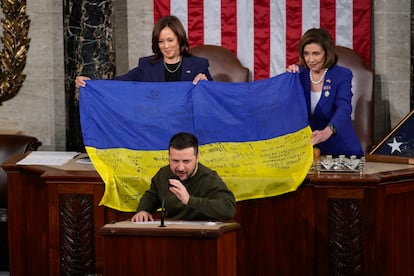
(28, 221)
(398, 231)
(160, 255)
(345, 248)
(76, 238)
(304, 232)
(277, 235)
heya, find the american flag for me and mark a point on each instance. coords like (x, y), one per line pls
(400, 141)
(264, 34)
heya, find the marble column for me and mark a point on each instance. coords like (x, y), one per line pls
(89, 51)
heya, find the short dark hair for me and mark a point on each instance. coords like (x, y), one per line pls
(324, 39)
(177, 27)
(183, 140)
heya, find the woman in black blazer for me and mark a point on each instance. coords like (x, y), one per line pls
(171, 60)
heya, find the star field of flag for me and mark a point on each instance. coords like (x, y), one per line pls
(400, 141)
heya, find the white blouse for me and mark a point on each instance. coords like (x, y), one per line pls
(315, 97)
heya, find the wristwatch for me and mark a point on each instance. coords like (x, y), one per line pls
(333, 128)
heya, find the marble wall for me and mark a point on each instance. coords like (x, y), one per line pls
(391, 62)
(39, 108)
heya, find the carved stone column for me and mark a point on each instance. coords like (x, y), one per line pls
(89, 51)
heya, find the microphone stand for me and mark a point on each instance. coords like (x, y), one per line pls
(162, 213)
(163, 204)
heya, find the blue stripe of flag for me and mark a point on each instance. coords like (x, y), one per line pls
(144, 116)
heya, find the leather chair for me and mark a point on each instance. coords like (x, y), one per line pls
(10, 144)
(224, 65)
(362, 100)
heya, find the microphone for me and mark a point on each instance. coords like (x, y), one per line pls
(174, 177)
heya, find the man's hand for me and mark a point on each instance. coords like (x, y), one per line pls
(177, 188)
(142, 216)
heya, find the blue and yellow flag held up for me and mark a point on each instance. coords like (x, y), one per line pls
(255, 135)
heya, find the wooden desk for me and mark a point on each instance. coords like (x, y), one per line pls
(179, 248)
(52, 218)
(334, 224)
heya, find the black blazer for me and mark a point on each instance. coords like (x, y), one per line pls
(154, 72)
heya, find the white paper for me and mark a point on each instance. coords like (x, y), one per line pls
(179, 222)
(48, 158)
(84, 160)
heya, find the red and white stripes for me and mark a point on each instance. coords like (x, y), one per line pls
(264, 34)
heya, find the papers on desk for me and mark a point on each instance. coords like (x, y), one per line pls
(180, 222)
(84, 160)
(55, 158)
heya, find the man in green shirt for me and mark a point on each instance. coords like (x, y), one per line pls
(187, 189)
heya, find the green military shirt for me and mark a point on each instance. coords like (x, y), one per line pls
(210, 198)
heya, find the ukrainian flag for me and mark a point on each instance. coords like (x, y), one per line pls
(255, 135)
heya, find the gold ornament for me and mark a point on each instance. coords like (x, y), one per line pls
(15, 47)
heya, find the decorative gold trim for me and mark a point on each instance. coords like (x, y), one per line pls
(15, 47)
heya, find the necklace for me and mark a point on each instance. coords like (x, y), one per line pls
(169, 70)
(320, 80)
